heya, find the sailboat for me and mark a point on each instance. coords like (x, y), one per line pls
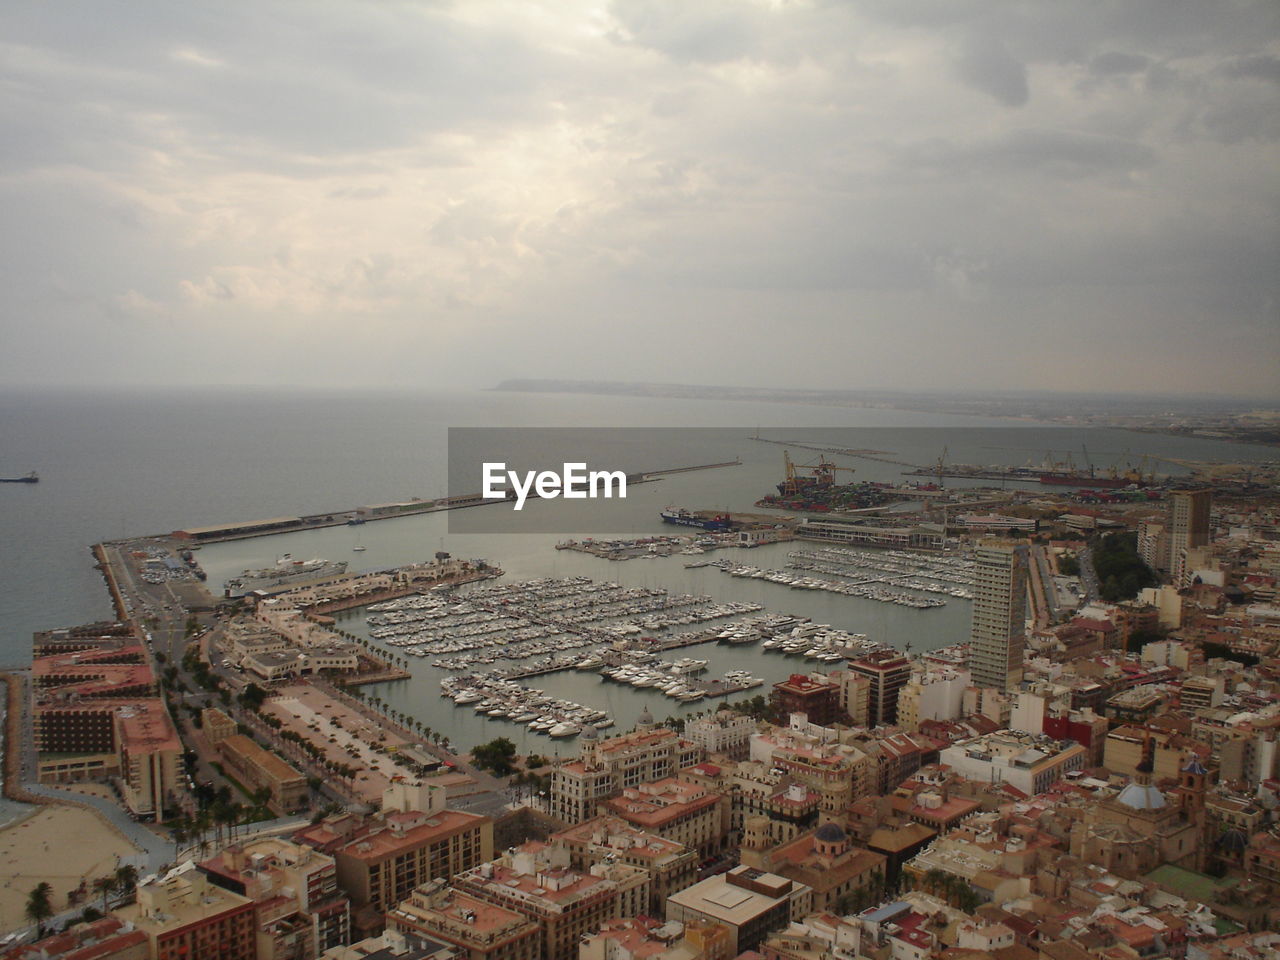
(359, 547)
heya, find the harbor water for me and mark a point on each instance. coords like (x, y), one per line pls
(123, 465)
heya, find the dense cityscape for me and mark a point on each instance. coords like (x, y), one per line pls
(640, 480)
(1091, 772)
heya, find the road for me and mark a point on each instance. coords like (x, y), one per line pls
(1089, 576)
(489, 800)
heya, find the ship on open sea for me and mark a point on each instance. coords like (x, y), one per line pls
(31, 477)
(287, 572)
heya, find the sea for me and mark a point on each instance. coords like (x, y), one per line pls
(123, 464)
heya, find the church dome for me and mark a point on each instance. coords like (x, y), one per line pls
(830, 833)
(589, 732)
(1234, 842)
(646, 718)
(1141, 796)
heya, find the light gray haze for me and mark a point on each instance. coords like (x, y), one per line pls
(872, 193)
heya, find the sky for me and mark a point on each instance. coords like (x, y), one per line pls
(910, 194)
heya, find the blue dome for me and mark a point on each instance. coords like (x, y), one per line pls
(1138, 796)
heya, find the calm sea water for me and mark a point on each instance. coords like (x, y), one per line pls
(126, 464)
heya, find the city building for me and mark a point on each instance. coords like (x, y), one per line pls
(997, 635)
(536, 882)
(382, 861)
(936, 694)
(671, 865)
(824, 860)
(1139, 829)
(606, 767)
(107, 939)
(257, 767)
(749, 902)
(838, 772)
(1022, 760)
(855, 696)
(675, 810)
(393, 945)
(478, 928)
(887, 673)
(1188, 529)
(726, 733)
(184, 916)
(644, 938)
(816, 698)
(150, 753)
(96, 717)
(300, 910)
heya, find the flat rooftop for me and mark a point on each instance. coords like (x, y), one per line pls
(399, 831)
(726, 902)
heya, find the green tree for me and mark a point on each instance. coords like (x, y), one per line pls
(39, 906)
(105, 886)
(252, 697)
(496, 756)
(126, 877)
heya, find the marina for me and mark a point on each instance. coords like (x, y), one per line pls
(535, 618)
(576, 626)
(867, 590)
(569, 660)
(643, 548)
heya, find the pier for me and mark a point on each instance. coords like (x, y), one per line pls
(415, 506)
(881, 456)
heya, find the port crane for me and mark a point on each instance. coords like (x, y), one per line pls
(823, 474)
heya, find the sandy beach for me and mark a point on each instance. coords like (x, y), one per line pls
(60, 845)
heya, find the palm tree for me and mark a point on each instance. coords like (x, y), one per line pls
(935, 880)
(39, 908)
(104, 886)
(126, 877)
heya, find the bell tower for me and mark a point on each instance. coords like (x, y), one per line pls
(1192, 782)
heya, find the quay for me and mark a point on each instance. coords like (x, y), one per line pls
(355, 516)
(878, 455)
(658, 545)
(654, 474)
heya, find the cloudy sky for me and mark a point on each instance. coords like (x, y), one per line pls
(870, 193)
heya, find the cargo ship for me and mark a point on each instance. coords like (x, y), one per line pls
(29, 478)
(683, 518)
(287, 572)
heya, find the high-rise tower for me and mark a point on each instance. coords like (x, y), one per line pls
(1188, 529)
(998, 634)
